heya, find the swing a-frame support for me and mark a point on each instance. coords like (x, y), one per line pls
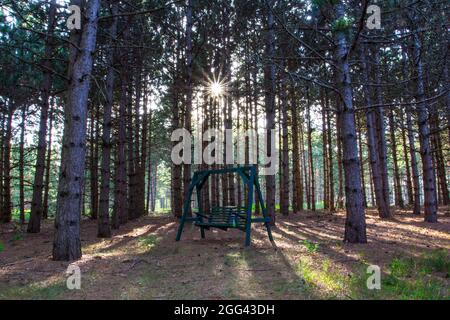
(230, 216)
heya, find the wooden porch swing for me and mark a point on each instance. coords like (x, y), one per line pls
(229, 216)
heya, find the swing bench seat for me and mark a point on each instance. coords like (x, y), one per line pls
(223, 218)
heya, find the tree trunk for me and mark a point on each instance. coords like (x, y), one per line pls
(414, 167)
(406, 159)
(381, 137)
(428, 175)
(120, 214)
(48, 162)
(7, 205)
(189, 89)
(383, 208)
(67, 244)
(397, 184)
(361, 162)
(284, 199)
(269, 85)
(104, 225)
(312, 191)
(355, 224)
(176, 187)
(298, 196)
(330, 159)
(21, 167)
(34, 225)
(93, 165)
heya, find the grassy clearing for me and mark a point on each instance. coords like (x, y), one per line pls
(405, 278)
(35, 291)
(421, 278)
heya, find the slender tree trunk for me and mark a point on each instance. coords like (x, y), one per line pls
(304, 167)
(406, 159)
(326, 199)
(120, 214)
(34, 224)
(22, 167)
(269, 85)
(340, 202)
(3, 116)
(428, 175)
(397, 184)
(310, 155)
(438, 155)
(362, 166)
(189, 88)
(48, 162)
(414, 167)
(381, 137)
(104, 225)
(143, 157)
(255, 127)
(176, 189)
(383, 209)
(284, 199)
(298, 196)
(94, 163)
(7, 205)
(330, 159)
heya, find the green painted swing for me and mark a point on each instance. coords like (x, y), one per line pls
(230, 216)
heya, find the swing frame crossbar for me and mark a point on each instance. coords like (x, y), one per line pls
(228, 216)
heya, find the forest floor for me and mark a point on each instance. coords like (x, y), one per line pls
(310, 261)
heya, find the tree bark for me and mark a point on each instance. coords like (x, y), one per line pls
(397, 184)
(355, 224)
(312, 179)
(269, 85)
(7, 205)
(428, 174)
(383, 208)
(34, 224)
(48, 161)
(103, 223)
(189, 88)
(298, 192)
(22, 167)
(67, 244)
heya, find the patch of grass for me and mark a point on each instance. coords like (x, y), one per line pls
(2, 247)
(234, 259)
(17, 237)
(324, 277)
(149, 241)
(436, 261)
(294, 288)
(311, 246)
(402, 267)
(34, 291)
(407, 278)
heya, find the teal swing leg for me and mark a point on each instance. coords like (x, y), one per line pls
(180, 229)
(184, 217)
(264, 211)
(202, 232)
(248, 225)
